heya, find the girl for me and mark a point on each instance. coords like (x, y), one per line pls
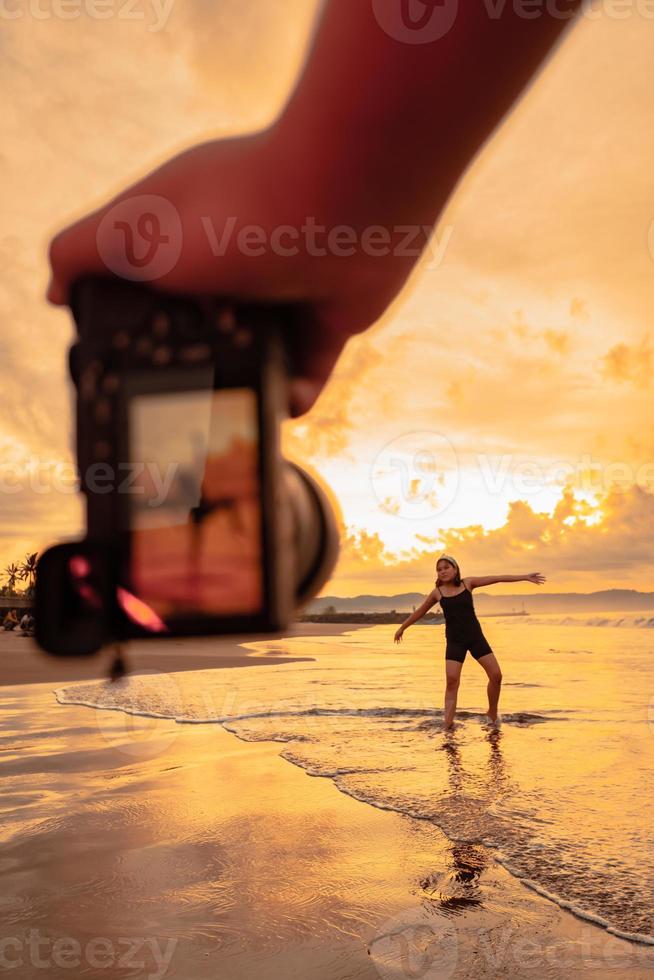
(463, 630)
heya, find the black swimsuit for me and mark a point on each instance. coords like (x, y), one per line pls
(462, 628)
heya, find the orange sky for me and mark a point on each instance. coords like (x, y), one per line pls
(501, 408)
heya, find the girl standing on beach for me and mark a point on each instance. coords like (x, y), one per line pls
(463, 630)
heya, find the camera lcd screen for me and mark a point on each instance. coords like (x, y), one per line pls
(196, 536)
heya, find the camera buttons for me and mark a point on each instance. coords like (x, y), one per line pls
(162, 356)
(110, 384)
(226, 320)
(88, 381)
(102, 411)
(161, 325)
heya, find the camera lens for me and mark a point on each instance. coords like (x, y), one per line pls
(315, 533)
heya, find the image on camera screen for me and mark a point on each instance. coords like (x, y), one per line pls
(196, 536)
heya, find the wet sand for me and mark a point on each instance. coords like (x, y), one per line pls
(132, 841)
(22, 662)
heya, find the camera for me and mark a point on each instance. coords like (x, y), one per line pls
(196, 524)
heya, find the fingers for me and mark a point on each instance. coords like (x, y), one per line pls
(303, 393)
(316, 340)
(73, 252)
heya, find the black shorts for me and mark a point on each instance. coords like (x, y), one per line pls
(457, 649)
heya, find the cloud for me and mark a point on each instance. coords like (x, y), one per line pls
(558, 340)
(579, 545)
(578, 308)
(342, 408)
(541, 227)
(245, 56)
(630, 363)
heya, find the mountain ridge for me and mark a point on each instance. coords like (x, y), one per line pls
(605, 600)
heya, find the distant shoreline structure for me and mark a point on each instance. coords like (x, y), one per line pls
(367, 617)
(431, 619)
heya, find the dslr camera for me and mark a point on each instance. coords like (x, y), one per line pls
(196, 525)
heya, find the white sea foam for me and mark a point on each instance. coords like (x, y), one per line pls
(550, 794)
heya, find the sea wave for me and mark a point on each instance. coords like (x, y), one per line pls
(615, 621)
(549, 793)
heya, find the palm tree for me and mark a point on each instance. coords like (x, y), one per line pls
(28, 570)
(12, 572)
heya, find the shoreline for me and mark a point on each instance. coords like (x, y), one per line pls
(22, 662)
(278, 870)
(260, 866)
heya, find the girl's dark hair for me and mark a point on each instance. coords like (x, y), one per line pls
(457, 576)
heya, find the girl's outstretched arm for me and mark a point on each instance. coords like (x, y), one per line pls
(478, 581)
(422, 609)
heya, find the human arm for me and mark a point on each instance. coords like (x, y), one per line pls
(422, 609)
(478, 581)
(378, 143)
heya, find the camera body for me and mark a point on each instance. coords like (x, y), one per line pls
(196, 525)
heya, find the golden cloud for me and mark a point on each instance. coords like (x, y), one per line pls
(578, 545)
(631, 363)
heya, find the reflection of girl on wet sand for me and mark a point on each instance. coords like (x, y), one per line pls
(459, 888)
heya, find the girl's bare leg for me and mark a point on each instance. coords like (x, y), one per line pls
(452, 679)
(492, 668)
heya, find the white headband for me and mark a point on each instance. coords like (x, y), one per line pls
(450, 559)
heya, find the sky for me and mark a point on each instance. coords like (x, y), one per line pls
(499, 411)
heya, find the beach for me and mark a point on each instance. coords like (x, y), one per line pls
(22, 662)
(143, 838)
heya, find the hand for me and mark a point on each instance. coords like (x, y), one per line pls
(398, 635)
(217, 190)
(536, 578)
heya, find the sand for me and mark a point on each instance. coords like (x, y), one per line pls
(22, 662)
(133, 841)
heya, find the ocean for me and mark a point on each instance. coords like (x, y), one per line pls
(561, 795)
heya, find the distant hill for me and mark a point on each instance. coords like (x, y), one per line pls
(608, 600)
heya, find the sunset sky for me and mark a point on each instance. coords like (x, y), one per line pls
(501, 409)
